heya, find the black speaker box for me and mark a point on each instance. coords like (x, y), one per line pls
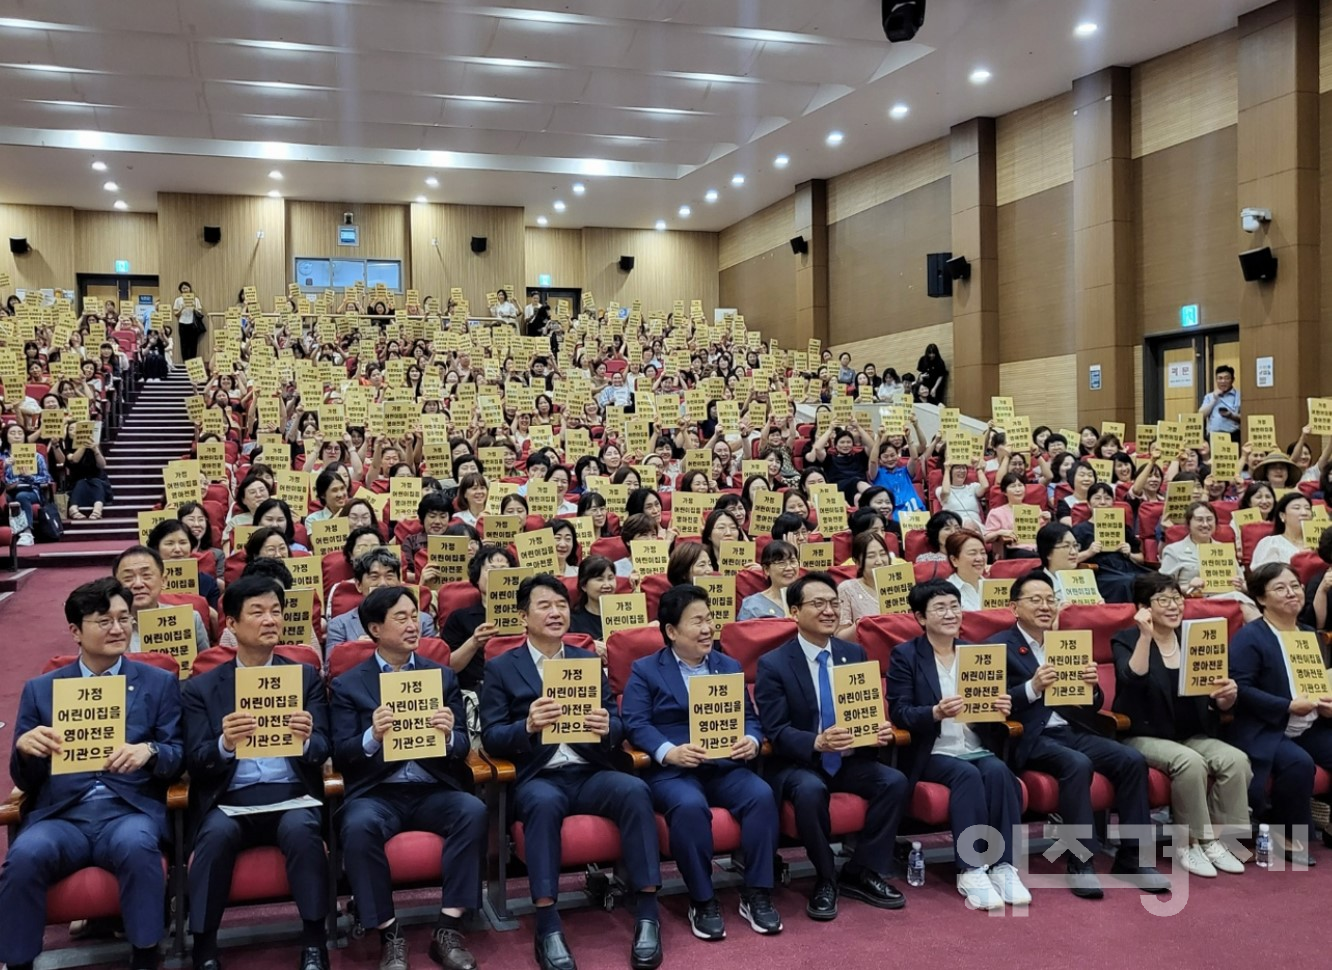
(212, 235)
(799, 245)
(478, 244)
(958, 268)
(938, 281)
(18, 246)
(1258, 264)
(626, 263)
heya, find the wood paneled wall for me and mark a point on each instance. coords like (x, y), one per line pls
(101, 238)
(1044, 389)
(218, 273)
(763, 289)
(437, 268)
(50, 232)
(764, 230)
(558, 252)
(1185, 94)
(312, 231)
(876, 267)
(1034, 149)
(1188, 221)
(668, 266)
(884, 180)
(900, 350)
(1036, 275)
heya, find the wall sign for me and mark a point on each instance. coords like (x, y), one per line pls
(1180, 375)
(1094, 377)
(1188, 315)
(1264, 371)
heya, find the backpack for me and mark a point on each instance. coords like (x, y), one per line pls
(47, 527)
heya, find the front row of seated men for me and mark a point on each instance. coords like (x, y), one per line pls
(115, 817)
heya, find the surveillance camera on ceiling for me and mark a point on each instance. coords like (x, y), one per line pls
(1252, 219)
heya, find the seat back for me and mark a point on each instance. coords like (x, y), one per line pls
(880, 634)
(1307, 565)
(612, 547)
(746, 642)
(1013, 568)
(652, 588)
(983, 626)
(160, 660)
(217, 656)
(926, 571)
(623, 647)
(1205, 608)
(455, 596)
(334, 568)
(1252, 534)
(347, 655)
(503, 644)
(1103, 620)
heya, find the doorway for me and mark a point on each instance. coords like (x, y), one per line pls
(1177, 369)
(141, 290)
(549, 294)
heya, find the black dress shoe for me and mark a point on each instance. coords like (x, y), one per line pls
(645, 954)
(552, 952)
(314, 958)
(1082, 881)
(1145, 878)
(822, 904)
(869, 887)
(214, 964)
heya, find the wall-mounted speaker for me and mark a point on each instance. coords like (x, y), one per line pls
(626, 263)
(1258, 264)
(212, 235)
(959, 268)
(800, 245)
(478, 244)
(18, 246)
(938, 281)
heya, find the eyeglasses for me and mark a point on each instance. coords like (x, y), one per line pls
(1069, 546)
(1167, 599)
(1039, 600)
(107, 622)
(821, 604)
(1283, 589)
(942, 611)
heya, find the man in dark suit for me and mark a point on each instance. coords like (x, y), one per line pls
(686, 783)
(812, 758)
(384, 798)
(219, 780)
(113, 817)
(1068, 744)
(558, 780)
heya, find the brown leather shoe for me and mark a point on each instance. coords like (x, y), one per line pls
(447, 949)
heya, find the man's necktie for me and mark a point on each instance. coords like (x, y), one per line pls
(832, 761)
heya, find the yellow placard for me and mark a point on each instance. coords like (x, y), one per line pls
(502, 598)
(1069, 652)
(180, 576)
(88, 713)
(858, 697)
(816, 555)
(271, 695)
(305, 574)
(1306, 664)
(298, 615)
(23, 459)
(501, 529)
(576, 684)
(1206, 656)
(1262, 431)
(893, 584)
(536, 551)
(213, 460)
(735, 555)
(982, 673)
(1217, 567)
(1079, 586)
(995, 593)
(543, 499)
(622, 611)
(1313, 531)
(181, 479)
(448, 554)
(1108, 527)
(1320, 415)
(1026, 523)
(916, 522)
(767, 506)
(170, 630)
(413, 696)
(721, 596)
(650, 555)
(404, 497)
(716, 712)
(150, 518)
(293, 487)
(196, 372)
(688, 510)
(52, 426)
(1178, 497)
(328, 535)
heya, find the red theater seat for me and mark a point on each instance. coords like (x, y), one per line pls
(746, 642)
(847, 813)
(344, 656)
(623, 647)
(725, 833)
(89, 893)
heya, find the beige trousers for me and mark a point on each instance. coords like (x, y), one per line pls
(1208, 814)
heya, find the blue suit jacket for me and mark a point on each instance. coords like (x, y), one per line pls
(212, 696)
(511, 685)
(152, 713)
(789, 709)
(1035, 715)
(355, 698)
(655, 705)
(1262, 706)
(913, 690)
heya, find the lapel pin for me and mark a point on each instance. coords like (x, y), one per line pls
(1022, 650)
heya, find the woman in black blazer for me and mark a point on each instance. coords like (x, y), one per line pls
(1179, 735)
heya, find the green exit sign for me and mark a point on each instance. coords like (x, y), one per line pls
(1188, 315)
(543, 279)
(122, 266)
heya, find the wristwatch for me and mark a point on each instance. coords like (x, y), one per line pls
(152, 754)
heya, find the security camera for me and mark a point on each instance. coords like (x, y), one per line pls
(349, 219)
(1252, 219)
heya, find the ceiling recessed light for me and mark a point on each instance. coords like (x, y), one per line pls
(737, 179)
(559, 206)
(542, 221)
(274, 194)
(579, 188)
(121, 204)
(99, 166)
(421, 200)
(432, 182)
(781, 161)
(111, 186)
(1085, 29)
(979, 76)
(685, 212)
(661, 225)
(834, 138)
(898, 112)
(275, 175)
(710, 196)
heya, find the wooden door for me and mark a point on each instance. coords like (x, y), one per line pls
(1179, 371)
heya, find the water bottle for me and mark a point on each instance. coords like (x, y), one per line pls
(1262, 847)
(916, 866)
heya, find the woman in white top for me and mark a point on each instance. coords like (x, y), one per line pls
(955, 495)
(781, 564)
(966, 554)
(924, 697)
(1183, 562)
(473, 492)
(188, 312)
(859, 597)
(504, 308)
(566, 544)
(1287, 538)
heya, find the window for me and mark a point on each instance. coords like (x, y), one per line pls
(314, 275)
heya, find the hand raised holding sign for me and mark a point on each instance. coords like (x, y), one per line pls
(1225, 694)
(544, 712)
(598, 721)
(1045, 677)
(40, 742)
(442, 720)
(381, 722)
(301, 724)
(236, 727)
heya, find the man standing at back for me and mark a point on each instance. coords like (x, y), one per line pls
(812, 758)
(219, 780)
(1221, 407)
(112, 817)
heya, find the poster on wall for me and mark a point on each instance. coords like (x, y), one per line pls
(1180, 375)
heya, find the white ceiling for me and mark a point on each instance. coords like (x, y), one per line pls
(650, 103)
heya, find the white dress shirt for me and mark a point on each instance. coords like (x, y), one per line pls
(956, 740)
(812, 657)
(1038, 651)
(1296, 724)
(564, 755)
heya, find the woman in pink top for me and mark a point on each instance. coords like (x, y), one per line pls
(999, 525)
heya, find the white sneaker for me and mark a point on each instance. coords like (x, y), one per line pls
(1196, 862)
(26, 539)
(975, 887)
(1004, 879)
(1221, 857)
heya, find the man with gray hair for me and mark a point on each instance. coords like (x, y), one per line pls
(372, 570)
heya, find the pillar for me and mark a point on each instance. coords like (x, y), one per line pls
(974, 376)
(811, 281)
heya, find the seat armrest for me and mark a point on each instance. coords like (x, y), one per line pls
(482, 770)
